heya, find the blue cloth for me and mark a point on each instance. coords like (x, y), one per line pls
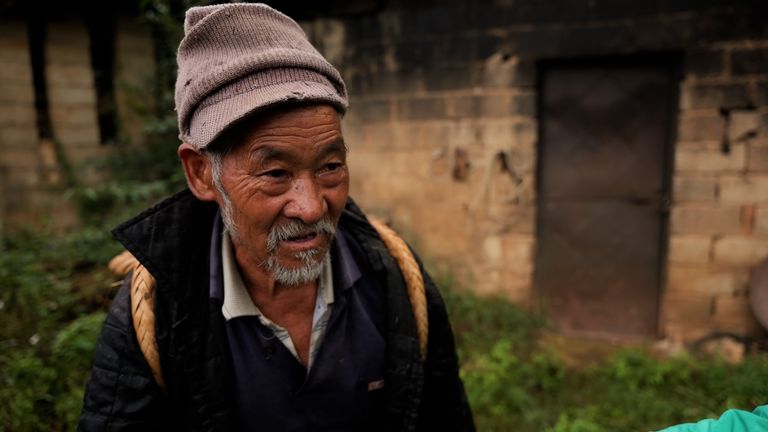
(730, 421)
(344, 388)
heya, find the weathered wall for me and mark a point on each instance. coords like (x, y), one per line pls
(71, 93)
(439, 91)
(717, 234)
(134, 77)
(31, 176)
(20, 174)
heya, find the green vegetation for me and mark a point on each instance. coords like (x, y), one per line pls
(514, 381)
(55, 290)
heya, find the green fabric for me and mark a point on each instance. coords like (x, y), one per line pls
(730, 421)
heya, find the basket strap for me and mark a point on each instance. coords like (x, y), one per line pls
(413, 279)
(142, 309)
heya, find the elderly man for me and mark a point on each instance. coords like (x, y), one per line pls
(276, 304)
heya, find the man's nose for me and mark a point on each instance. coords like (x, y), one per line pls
(306, 201)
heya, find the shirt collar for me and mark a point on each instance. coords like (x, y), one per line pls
(237, 301)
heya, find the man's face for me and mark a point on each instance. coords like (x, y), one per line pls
(286, 181)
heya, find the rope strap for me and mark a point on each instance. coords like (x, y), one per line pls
(142, 309)
(413, 280)
(143, 296)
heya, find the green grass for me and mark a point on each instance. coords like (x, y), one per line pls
(514, 381)
(55, 290)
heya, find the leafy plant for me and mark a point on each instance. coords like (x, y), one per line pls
(25, 398)
(516, 382)
(73, 346)
(55, 289)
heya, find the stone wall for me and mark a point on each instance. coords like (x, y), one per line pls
(443, 134)
(71, 93)
(721, 188)
(20, 173)
(134, 77)
(443, 130)
(32, 177)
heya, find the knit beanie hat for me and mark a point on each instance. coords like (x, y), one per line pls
(239, 59)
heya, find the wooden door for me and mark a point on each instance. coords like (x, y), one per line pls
(603, 188)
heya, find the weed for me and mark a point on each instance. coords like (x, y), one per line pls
(515, 383)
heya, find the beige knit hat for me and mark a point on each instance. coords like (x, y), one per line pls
(237, 59)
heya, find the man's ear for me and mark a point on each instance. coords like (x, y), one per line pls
(198, 171)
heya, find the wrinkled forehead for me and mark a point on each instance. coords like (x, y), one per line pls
(283, 125)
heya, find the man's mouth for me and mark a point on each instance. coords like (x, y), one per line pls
(296, 236)
(303, 242)
(302, 237)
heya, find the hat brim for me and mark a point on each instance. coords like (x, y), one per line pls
(210, 121)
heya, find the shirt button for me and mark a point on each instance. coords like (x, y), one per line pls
(269, 349)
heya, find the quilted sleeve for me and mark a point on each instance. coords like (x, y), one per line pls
(445, 405)
(121, 394)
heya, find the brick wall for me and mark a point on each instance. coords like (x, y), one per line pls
(19, 158)
(134, 73)
(443, 129)
(71, 93)
(31, 179)
(721, 188)
(443, 134)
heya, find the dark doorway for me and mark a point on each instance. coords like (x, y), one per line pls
(604, 164)
(101, 29)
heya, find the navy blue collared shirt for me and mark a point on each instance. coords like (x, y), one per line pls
(344, 389)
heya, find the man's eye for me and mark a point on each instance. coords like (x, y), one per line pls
(333, 166)
(276, 173)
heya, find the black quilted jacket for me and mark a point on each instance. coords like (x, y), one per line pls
(172, 241)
